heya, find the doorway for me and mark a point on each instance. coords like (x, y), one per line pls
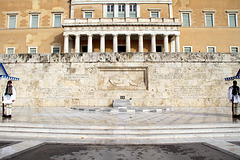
(84, 49)
(158, 48)
(121, 48)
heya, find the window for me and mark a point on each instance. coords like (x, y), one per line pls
(34, 21)
(57, 20)
(10, 50)
(187, 48)
(232, 20)
(12, 21)
(186, 19)
(56, 49)
(121, 10)
(88, 14)
(32, 49)
(133, 10)
(154, 14)
(209, 20)
(211, 49)
(110, 9)
(234, 49)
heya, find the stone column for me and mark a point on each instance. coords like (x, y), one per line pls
(128, 43)
(177, 49)
(77, 43)
(72, 11)
(127, 10)
(102, 43)
(66, 43)
(170, 10)
(140, 43)
(153, 43)
(115, 43)
(104, 10)
(115, 10)
(138, 10)
(89, 42)
(166, 48)
(173, 44)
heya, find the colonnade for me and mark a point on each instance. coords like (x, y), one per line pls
(174, 42)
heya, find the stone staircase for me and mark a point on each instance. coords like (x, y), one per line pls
(75, 132)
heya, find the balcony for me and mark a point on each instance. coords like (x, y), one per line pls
(121, 22)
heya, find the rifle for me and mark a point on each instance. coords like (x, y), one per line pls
(2, 108)
(232, 106)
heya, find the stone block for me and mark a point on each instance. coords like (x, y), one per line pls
(122, 103)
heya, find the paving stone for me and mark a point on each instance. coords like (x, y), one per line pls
(124, 152)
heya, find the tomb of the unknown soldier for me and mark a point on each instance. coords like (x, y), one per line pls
(120, 80)
(145, 79)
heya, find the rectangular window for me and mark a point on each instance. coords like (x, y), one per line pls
(12, 21)
(211, 49)
(186, 19)
(34, 21)
(32, 50)
(110, 9)
(56, 49)
(209, 20)
(121, 10)
(10, 50)
(57, 20)
(187, 49)
(234, 49)
(88, 15)
(133, 10)
(232, 20)
(154, 14)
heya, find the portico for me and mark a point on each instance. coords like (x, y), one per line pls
(143, 35)
(128, 37)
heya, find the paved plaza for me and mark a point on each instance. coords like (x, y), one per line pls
(168, 116)
(169, 133)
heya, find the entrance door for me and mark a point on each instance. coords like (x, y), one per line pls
(121, 48)
(158, 48)
(84, 48)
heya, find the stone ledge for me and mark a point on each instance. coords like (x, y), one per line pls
(121, 110)
(111, 57)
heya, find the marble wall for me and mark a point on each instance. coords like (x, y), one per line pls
(96, 79)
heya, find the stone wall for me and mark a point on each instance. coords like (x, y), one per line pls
(96, 79)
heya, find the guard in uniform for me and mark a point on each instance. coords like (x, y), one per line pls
(9, 97)
(234, 97)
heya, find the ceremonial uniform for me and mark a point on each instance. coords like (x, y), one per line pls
(234, 97)
(9, 97)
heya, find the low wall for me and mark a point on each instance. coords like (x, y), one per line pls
(96, 79)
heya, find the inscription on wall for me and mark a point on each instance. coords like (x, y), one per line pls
(186, 91)
(56, 93)
(123, 78)
(75, 77)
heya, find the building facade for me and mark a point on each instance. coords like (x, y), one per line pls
(41, 26)
(32, 26)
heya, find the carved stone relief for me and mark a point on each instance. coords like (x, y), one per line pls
(123, 78)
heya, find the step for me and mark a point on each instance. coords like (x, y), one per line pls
(118, 131)
(113, 132)
(115, 127)
(84, 136)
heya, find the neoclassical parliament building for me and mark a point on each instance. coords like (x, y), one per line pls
(74, 26)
